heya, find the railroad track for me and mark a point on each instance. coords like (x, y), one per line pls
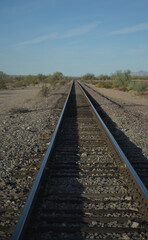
(133, 153)
(86, 188)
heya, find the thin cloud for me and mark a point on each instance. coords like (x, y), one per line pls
(71, 33)
(81, 30)
(136, 28)
(39, 39)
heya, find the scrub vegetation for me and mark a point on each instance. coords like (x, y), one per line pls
(7, 81)
(118, 80)
(45, 91)
(121, 80)
(4, 78)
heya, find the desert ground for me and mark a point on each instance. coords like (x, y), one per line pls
(27, 121)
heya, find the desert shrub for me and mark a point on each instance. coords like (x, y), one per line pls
(44, 91)
(94, 82)
(103, 84)
(2, 84)
(3, 80)
(40, 77)
(30, 79)
(63, 82)
(88, 76)
(57, 76)
(121, 79)
(52, 82)
(20, 83)
(103, 77)
(24, 81)
(47, 78)
(137, 86)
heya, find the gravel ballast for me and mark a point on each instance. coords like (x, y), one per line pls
(128, 111)
(27, 121)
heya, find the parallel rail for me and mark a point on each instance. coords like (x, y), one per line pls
(133, 153)
(20, 228)
(72, 167)
(141, 191)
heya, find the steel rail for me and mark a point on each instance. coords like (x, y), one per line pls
(119, 150)
(20, 227)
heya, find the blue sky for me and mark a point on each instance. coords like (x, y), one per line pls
(73, 36)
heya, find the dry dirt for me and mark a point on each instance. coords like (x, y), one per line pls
(28, 97)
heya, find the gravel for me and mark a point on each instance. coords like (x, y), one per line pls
(128, 111)
(125, 114)
(27, 122)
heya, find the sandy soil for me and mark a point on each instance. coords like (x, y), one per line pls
(18, 98)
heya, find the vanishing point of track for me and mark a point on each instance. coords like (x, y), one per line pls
(86, 188)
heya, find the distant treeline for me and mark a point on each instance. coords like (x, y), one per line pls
(105, 77)
(24, 81)
(91, 76)
(120, 80)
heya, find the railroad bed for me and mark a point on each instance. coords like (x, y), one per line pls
(132, 152)
(84, 193)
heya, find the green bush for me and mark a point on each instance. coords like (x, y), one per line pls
(121, 79)
(88, 76)
(63, 82)
(4, 78)
(2, 84)
(57, 76)
(40, 77)
(29, 79)
(52, 82)
(137, 86)
(103, 77)
(103, 84)
(20, 83)
(44, 91)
